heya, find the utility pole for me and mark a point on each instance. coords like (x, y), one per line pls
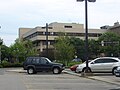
(47, 39)
(86, 30)
(1, 41)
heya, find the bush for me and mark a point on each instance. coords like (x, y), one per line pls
(16, 64)
(73, 63)
(1, 66)
(8, 64)
(5, 63)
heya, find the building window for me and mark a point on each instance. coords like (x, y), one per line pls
(43, 27)
(39, 33)
(52, 42)
(48, 27)
(67, 26)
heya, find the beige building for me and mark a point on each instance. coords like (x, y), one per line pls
(115, 28)
(38, 34)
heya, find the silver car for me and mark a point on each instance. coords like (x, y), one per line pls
(102, 64)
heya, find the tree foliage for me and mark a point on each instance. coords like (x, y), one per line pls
(93, 48)
(111, 44)
(79, 47)
(5, 51)
(64, 50)
(21, 49)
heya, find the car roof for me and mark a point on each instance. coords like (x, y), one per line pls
(116, 58)
(35, 57)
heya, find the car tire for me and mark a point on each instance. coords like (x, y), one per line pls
(56, 70)
(30, 70)
(113, 71)
(84, 70)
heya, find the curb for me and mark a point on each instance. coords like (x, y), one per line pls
(103, 80)
(71, 73)
(17, 71)
(93, 78)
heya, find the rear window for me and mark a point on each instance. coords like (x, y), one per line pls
(29, 60)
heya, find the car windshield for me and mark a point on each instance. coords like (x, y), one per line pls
(48, 60)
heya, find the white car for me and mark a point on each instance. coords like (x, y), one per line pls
(102, 64)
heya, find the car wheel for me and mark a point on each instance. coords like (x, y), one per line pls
(76, 71)
(85, 70)
(30, 71)
(113, 71)
(56, 70)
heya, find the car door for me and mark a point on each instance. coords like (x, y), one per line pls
(37, 63)
(45, 65)
(108, 65)
(97, 65)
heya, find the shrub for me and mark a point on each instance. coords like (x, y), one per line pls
(1, 66)
(8, 64)
(73, 63)
(5, 63)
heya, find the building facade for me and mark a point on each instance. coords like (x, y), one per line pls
(115, 28)
(38, 34)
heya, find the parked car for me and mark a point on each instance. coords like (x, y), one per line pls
(36, 64)
(102, 64)
(73, 68)
(76, 60)
(117, 72)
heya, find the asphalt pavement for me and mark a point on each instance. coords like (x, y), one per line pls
(105, 77)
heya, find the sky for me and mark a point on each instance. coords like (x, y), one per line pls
(31, 13)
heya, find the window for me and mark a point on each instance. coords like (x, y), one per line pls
(44, 42)
(29, 60)
(40, 33)
(37, 60)
(43, 61)
(34, 61)
(106, 60)
(100, 61)
(67, 26)
(110, 60)
(43, 27)
(47, 33)
(50, 27)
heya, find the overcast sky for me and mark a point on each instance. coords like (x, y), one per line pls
(31, 13)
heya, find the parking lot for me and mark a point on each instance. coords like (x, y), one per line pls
(16, 79)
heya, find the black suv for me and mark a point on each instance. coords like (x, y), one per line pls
(38, 64)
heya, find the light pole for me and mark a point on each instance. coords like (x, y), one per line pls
(86, 31)
(1, 41)
(47, 39)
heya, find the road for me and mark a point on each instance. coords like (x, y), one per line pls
(105, 77)
(48, 81)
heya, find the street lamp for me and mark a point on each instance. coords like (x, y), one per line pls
(86, 31)
(47, 39)
(1, 41)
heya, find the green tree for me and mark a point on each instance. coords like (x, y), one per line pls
(79, 47)
(5, 51)
(110, 44)
(21, 49)
(64, 50)
(79, 44)
(93, 48)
